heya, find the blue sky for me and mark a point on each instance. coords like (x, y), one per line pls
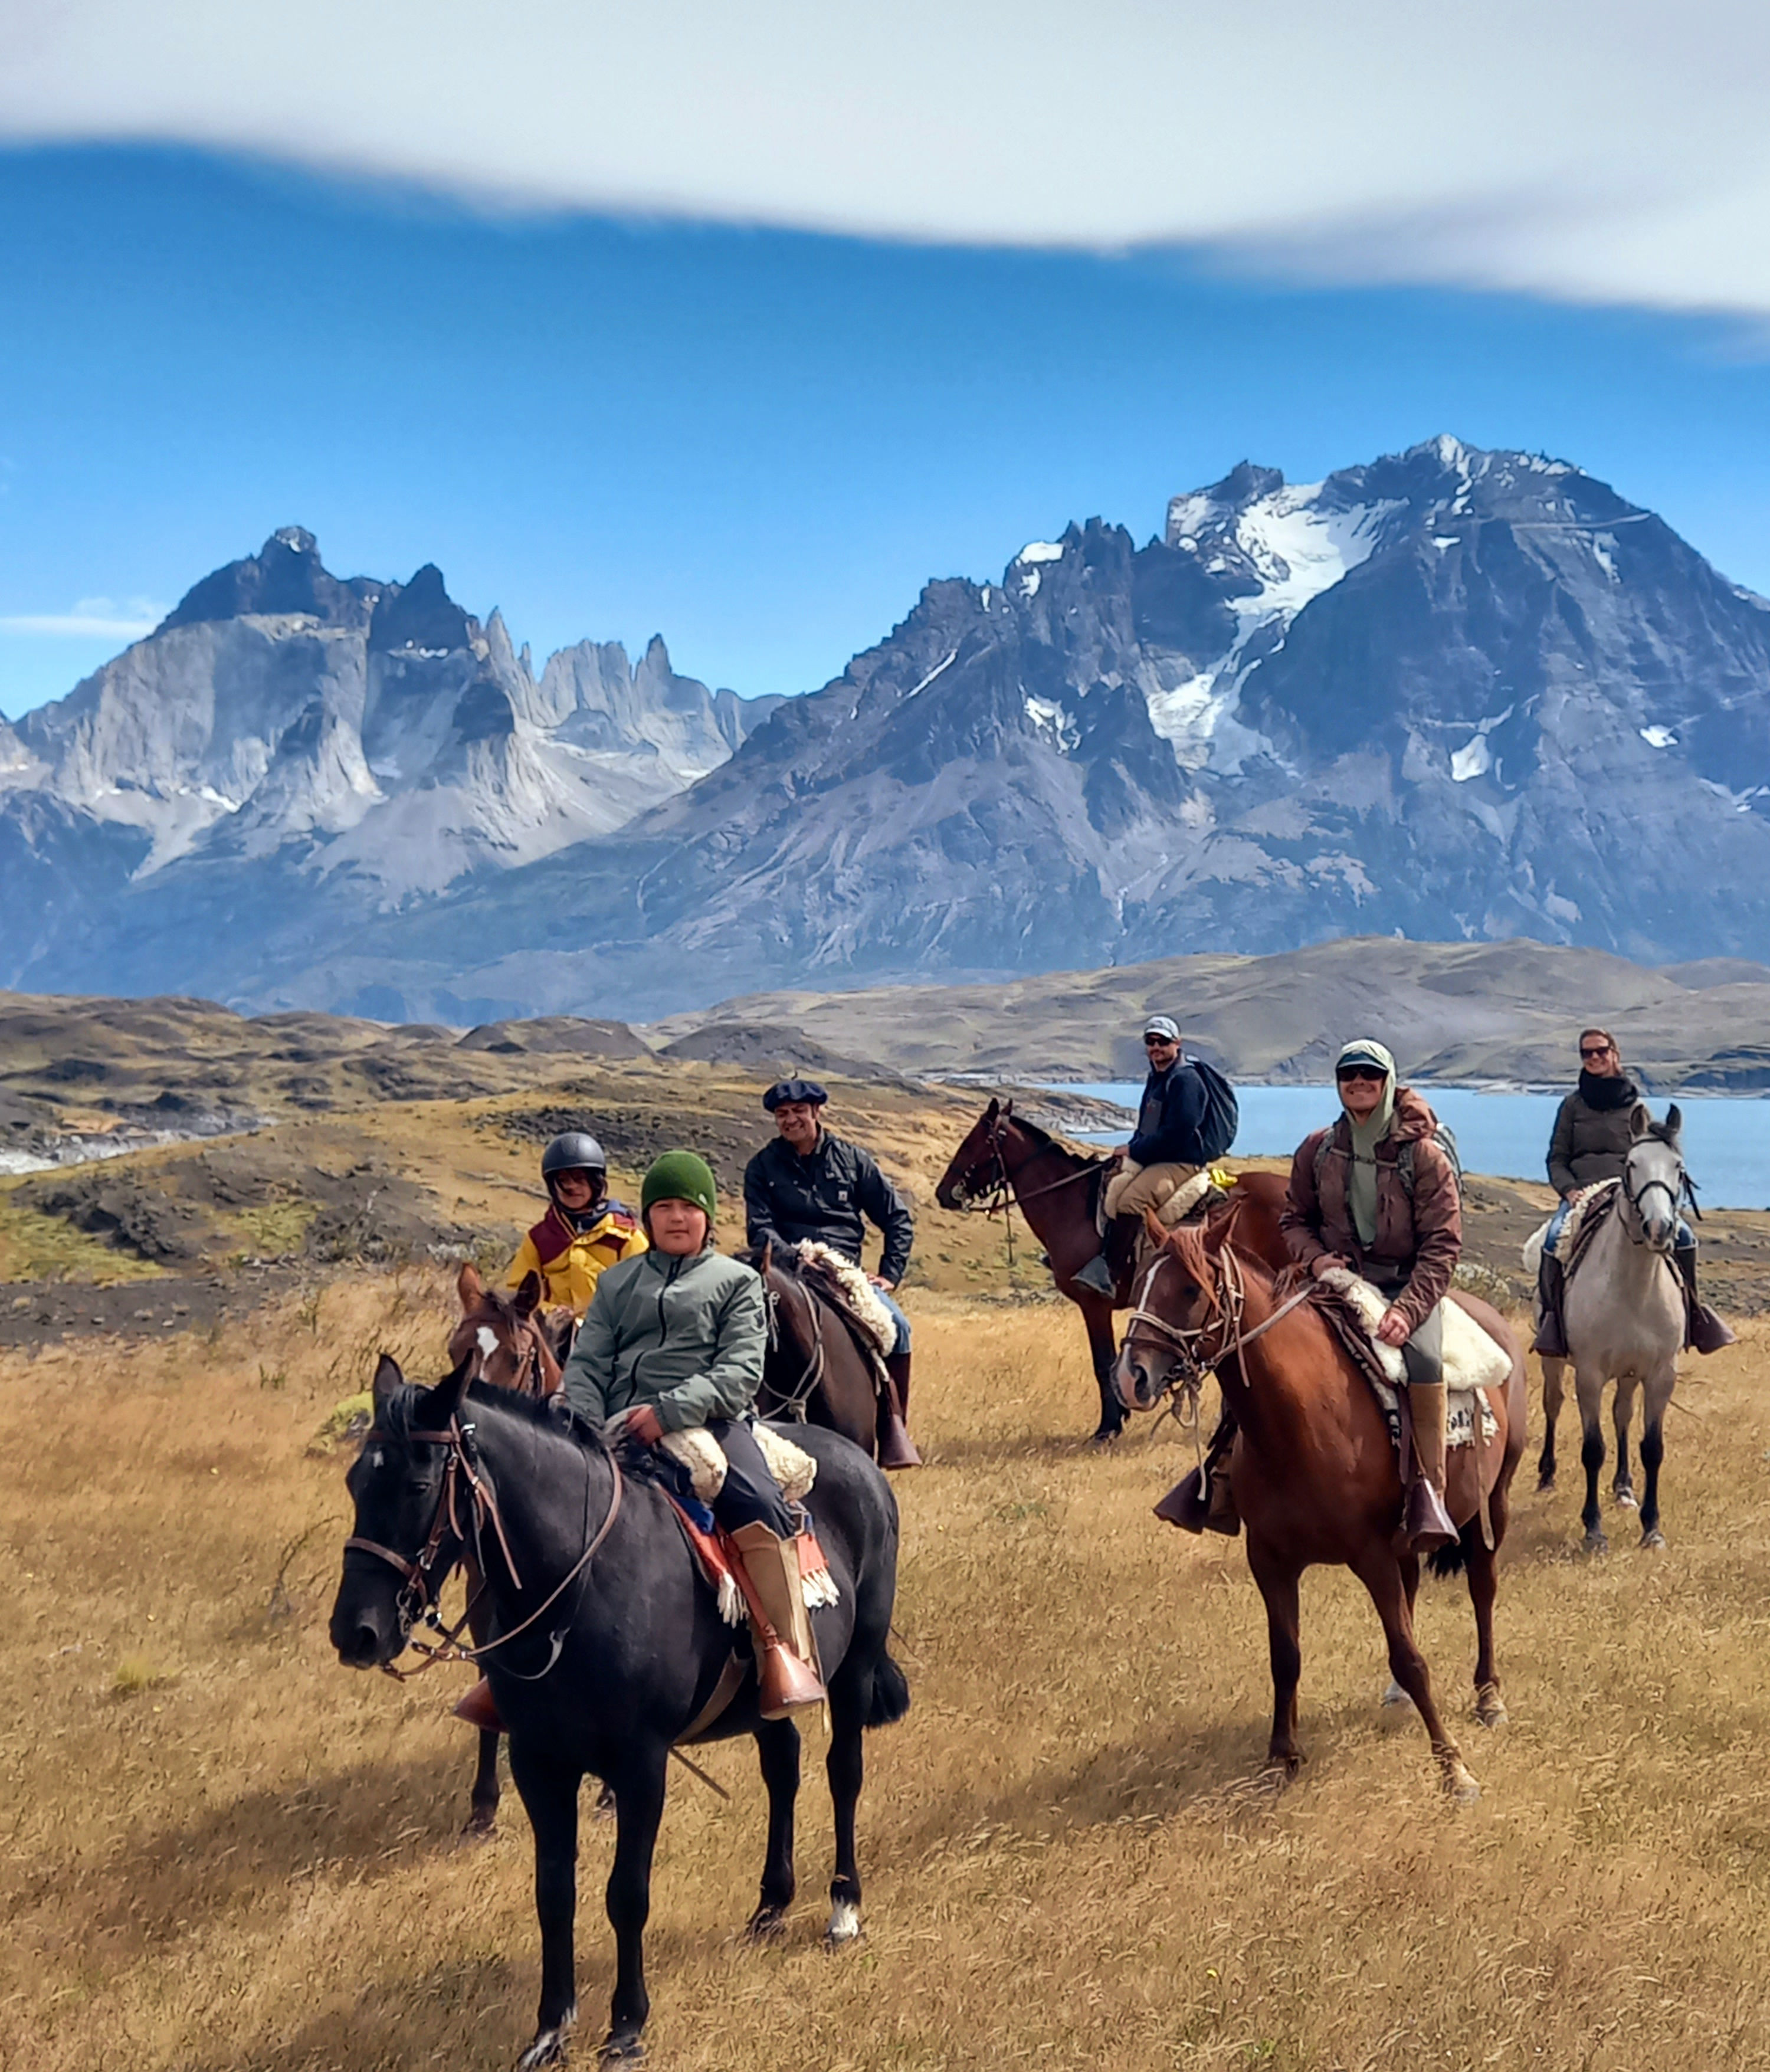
(759, 443)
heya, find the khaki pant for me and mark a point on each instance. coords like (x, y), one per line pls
(1134, 1188)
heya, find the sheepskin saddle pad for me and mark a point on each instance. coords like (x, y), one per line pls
(1473, 1361)
(851, 1291)
(1584, 1214)
(698, 1451)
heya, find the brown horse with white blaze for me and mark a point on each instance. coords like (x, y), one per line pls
(502, 1340)
(1314, 1472)
(1006, 1159)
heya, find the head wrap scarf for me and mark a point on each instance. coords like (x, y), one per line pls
(1361, 1181)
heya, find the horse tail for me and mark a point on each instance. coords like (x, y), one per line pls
(1446, 1560)
(891, 1693)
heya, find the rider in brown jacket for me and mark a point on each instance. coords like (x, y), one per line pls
(1375, 1192)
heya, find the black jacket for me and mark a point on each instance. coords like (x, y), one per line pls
(828, 1196)
(1167, 1122)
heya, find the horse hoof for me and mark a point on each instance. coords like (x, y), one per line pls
(1625, 1497)
(1490, 1707)
(1654, 1538)
(1545, 1484)
(481, 1827)
(1595, 1543)
(1459, 1786)
(767, 1924)
(1395, 1697)
(604, 1809)
(549, 2047)
(621, 2050)
(1107, 1435)
(845, 1926)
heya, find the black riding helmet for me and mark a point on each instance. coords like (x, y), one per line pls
(576, 1151)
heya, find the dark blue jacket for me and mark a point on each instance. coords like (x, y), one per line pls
(828, 1196)
(1167, 1122)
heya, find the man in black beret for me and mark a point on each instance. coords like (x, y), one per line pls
(806, 1183)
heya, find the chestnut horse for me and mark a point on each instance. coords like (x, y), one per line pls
(815, 1372)
(502, 1340)
(1314, 1474)
(1005, 1158)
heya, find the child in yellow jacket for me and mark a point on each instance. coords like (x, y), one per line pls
(583, 1231)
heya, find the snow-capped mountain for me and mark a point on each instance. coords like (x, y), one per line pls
(305, 730)
(1452, 693)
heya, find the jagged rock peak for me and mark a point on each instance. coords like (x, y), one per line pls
(421, 617)
(285, 576)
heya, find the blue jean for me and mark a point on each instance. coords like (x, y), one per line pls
(899, 1319)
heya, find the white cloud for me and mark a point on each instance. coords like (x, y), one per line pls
(92, 619)
(1609, 152)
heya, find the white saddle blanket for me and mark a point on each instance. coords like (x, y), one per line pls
(698, 1451)
(1536, 1242)
(1473, 1361)
(862, 1296)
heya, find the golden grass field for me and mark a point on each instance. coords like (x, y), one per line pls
(225, 1853)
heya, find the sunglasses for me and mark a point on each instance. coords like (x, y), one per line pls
(1361, 1072)
(1598, 1050)
(1160, 1042)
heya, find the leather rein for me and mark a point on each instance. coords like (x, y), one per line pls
(425, 1574)
(998, 1192)
(793, 1401)
(1193, 1358)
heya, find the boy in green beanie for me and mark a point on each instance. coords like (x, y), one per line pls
(674, 1339)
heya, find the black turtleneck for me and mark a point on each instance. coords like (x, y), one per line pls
(1605, 1094)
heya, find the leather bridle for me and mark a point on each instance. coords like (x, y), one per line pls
(425, 1574)
(793, 1401)
(1679, 1192)
(1194, 1356)
(997, 1192)
(528, 1379)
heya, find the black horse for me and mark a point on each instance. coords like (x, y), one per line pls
(606, 1643)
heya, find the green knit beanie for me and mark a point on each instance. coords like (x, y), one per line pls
(679, 1176)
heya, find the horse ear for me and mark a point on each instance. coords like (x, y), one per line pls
(1640, 1119)
(1674, 1121)
(766, 1260)
(444, 1401)
(388, 1378)
(992, 1110)
(1007, 1110)
(1157, 1231)
(469, 1286)
(527, 1298)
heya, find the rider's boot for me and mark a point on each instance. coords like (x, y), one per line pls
(896, 1448)
(773, 1589)
(1204, 1499)
(1704, 1332)
(1097, 1275)
(1426, 1524)
(479, 1709)
(1551, 1338)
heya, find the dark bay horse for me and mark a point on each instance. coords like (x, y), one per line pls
(504, 1341)
(1314, 1472)
(606, 1643)
(1005, 1158)
(814, 1369)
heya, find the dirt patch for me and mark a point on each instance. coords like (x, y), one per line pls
(34, 1313)
(638, 1134)
(119, 1210)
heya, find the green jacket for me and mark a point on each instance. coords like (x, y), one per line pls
(687, 1336)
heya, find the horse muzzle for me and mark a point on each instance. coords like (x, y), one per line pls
(1139, 1385)
(365, 1633)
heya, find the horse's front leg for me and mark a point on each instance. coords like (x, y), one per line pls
(1554, 1385)
(777, 1744)
(1381, 1574)
(550, 1794)
(1658, 1395)
(1277, 1581)
(483, 1820)
(639, 1808)
(1490, 1707)
(1590, 1388)
(1622, 1411)
(844, 1766)
(1103, 1349)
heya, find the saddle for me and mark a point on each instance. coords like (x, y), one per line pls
(1473, 1361)
(1591, 1209)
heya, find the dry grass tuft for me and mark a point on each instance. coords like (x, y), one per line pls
(134, 1674)
(1070, 1861)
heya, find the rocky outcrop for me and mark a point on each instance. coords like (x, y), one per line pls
(291, 746)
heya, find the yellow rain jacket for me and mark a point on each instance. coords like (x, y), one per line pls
(570, 1261)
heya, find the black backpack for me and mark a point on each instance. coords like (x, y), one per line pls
(1222, 1118)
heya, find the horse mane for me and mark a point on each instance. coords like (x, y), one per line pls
(1046, 1141)
(809, 1273)
(395, 1413)
(1187, 1244)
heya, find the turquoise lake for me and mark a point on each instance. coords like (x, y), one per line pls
(1727, 1140)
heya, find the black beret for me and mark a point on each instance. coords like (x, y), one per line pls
(794, 1090)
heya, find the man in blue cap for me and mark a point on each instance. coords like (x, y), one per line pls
(809, 1184)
